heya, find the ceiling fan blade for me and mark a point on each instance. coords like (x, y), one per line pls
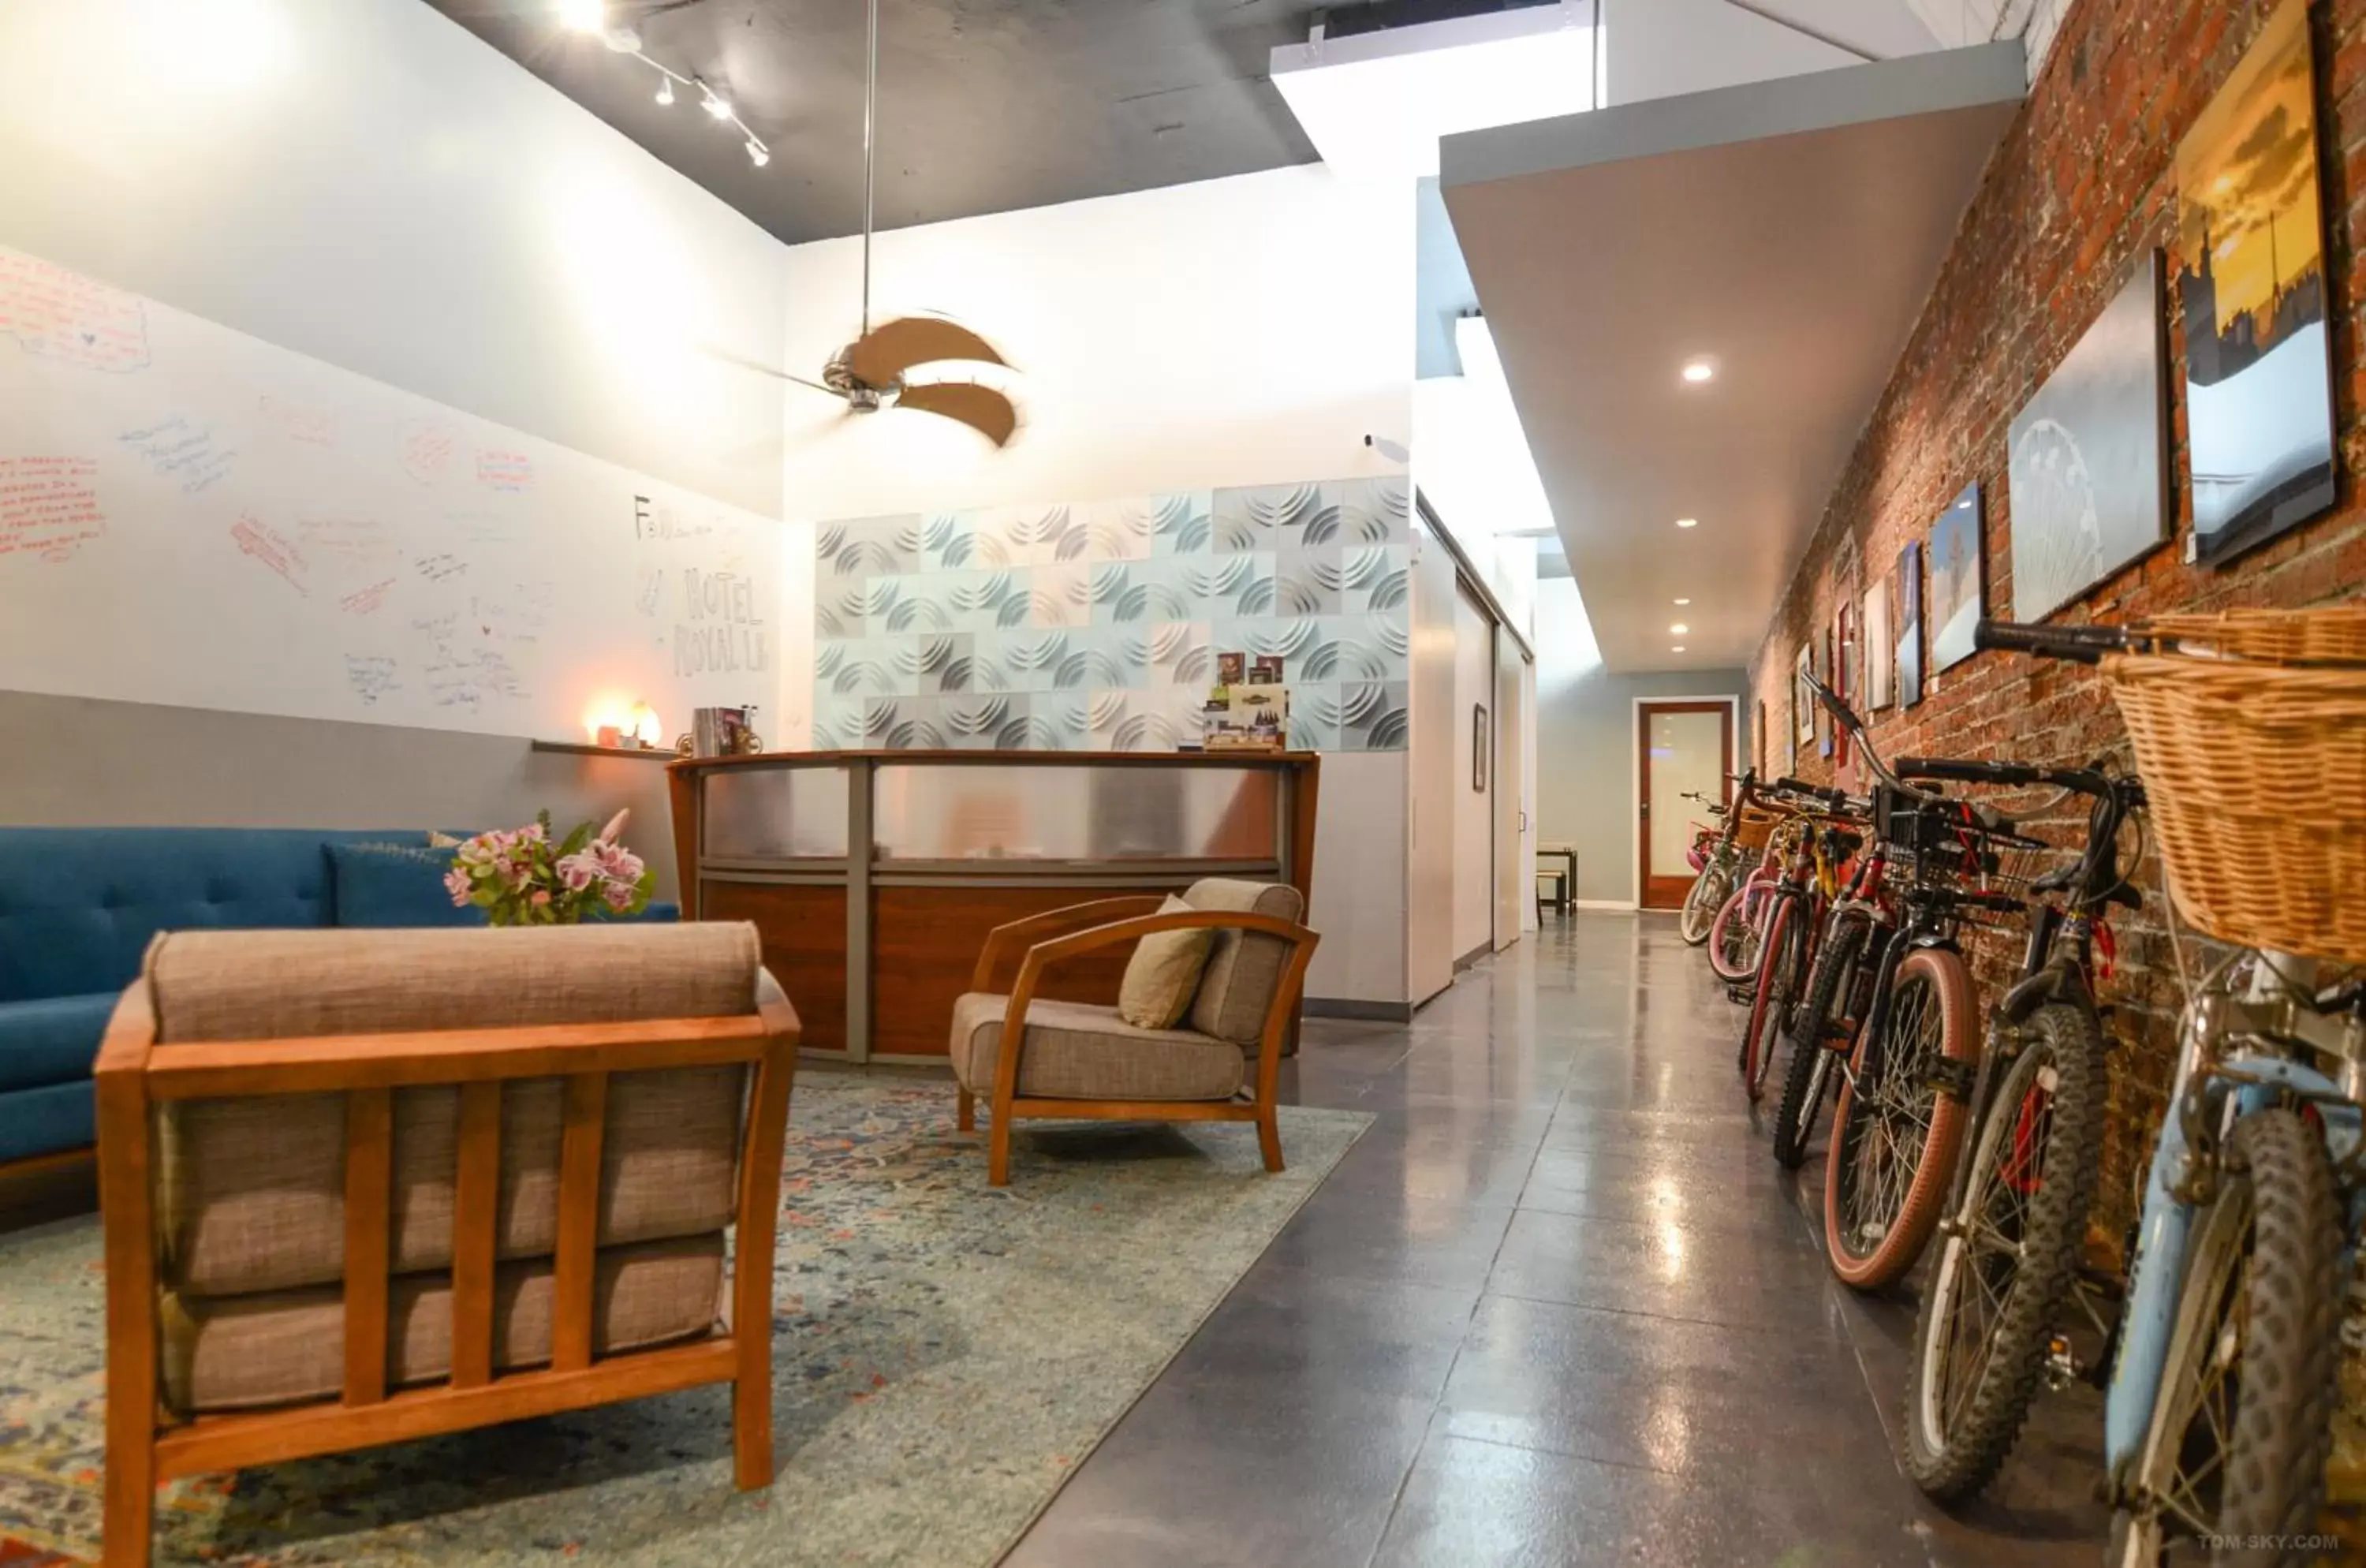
(983, 409)
(883, 354)
(760, 368)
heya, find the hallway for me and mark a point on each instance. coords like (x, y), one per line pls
(1558, 1306)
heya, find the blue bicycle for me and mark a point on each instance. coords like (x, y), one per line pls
(2221, 1392)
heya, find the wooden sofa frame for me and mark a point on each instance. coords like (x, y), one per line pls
(1108, 921)
(145, 1446)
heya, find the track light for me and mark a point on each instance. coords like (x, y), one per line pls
(665, 91)
(756, 153)
(716, 103)
(583, 15)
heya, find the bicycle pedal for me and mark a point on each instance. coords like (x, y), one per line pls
(1737, 995)
(2063, 1367)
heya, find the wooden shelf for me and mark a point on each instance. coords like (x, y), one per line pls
(585, 749)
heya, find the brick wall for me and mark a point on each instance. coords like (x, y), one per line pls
(2080, 186)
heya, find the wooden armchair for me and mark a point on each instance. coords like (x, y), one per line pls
(1081, 1060)
(366, 1185)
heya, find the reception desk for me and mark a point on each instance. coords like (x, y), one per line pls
(875, 876)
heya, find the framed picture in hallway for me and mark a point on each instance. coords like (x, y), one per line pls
(1803, 701)
(1824, 714)
(2089, 482)
(1909, 625)
(1880, 649)
(1957, 596)
(2250, 239)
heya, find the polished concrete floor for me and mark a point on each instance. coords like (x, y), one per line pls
(1558, 1306)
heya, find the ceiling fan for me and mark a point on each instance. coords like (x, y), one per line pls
(868, 374)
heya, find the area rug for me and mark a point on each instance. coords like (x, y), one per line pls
(946, 1354)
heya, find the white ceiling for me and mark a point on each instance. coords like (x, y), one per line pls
(1791, 229)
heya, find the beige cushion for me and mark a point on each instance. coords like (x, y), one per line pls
(252, 1191)
(1079, 1050)
(281, 1346)
(1163, 975)
(1243, 967)
(256, 985)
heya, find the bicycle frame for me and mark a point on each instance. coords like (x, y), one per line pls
(2212, 1092)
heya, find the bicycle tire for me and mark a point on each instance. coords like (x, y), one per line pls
(1779, 978)
(2036, 1250)
(2276, 1191)
(1735, 942)
(1869, 1259)
(1807, 1072)
(1701, 901)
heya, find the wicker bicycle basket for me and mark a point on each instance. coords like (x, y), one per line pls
(1755, 829)
(2252, 741)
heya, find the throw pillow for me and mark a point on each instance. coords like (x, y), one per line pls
(1163, 972)
(395, 885)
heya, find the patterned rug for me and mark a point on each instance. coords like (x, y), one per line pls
(946, 1354)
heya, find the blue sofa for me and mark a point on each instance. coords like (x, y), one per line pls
(79, 905)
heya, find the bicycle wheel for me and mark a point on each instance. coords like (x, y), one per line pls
(1703, 901)
(1808, 1071)
(2010, 1259)
(1779, 979)
(1735, 938)
(2235, 1450)
(1894, 1145)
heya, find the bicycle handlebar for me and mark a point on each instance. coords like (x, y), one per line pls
(2085, 781)
(2083, 645)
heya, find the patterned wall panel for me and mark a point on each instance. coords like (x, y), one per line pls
(1096, 626)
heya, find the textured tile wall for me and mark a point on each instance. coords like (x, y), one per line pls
(1096, 626)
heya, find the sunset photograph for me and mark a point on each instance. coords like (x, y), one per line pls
(2251, 278)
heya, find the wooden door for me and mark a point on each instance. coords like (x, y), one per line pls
(1679, 746)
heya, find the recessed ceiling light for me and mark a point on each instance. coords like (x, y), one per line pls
(1699, 371)
(1678, 649)
(1687, 522)
(1683, 600)
(1678, 630)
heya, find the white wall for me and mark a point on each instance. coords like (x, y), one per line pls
(1431, 782)
(1586, 742)
(1244, 331)
(1474, 820)
(364, 182)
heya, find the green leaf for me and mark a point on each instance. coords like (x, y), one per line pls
(577, 840)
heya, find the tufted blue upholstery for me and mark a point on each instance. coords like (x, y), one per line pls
(79, 905)
(50, 1040)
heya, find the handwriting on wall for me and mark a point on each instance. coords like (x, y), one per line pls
(298, 422)
(370, 676)
(509, 471)
(367, 600)
(182, 451)
(49, 506)
(427, 449)
(63, 315)
(270, 549)
(722, 633)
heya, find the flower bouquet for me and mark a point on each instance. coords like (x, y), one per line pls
(526, 877)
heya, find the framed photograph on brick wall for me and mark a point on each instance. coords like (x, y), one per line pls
(1803, 701)
(1822, 714)
(1880, 649)
(1958, 594)
(2089, 471)
(1909, 625)
(2250, 238)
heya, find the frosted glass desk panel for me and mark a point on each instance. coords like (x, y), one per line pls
(775, 813)
(1035, 812)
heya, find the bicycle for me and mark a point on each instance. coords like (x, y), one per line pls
(1717, 858)
(1935, 864)
(2009, 1264)
(1898, 1125)
(2218, 1409)
(1813, 876)
(1738, 935)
